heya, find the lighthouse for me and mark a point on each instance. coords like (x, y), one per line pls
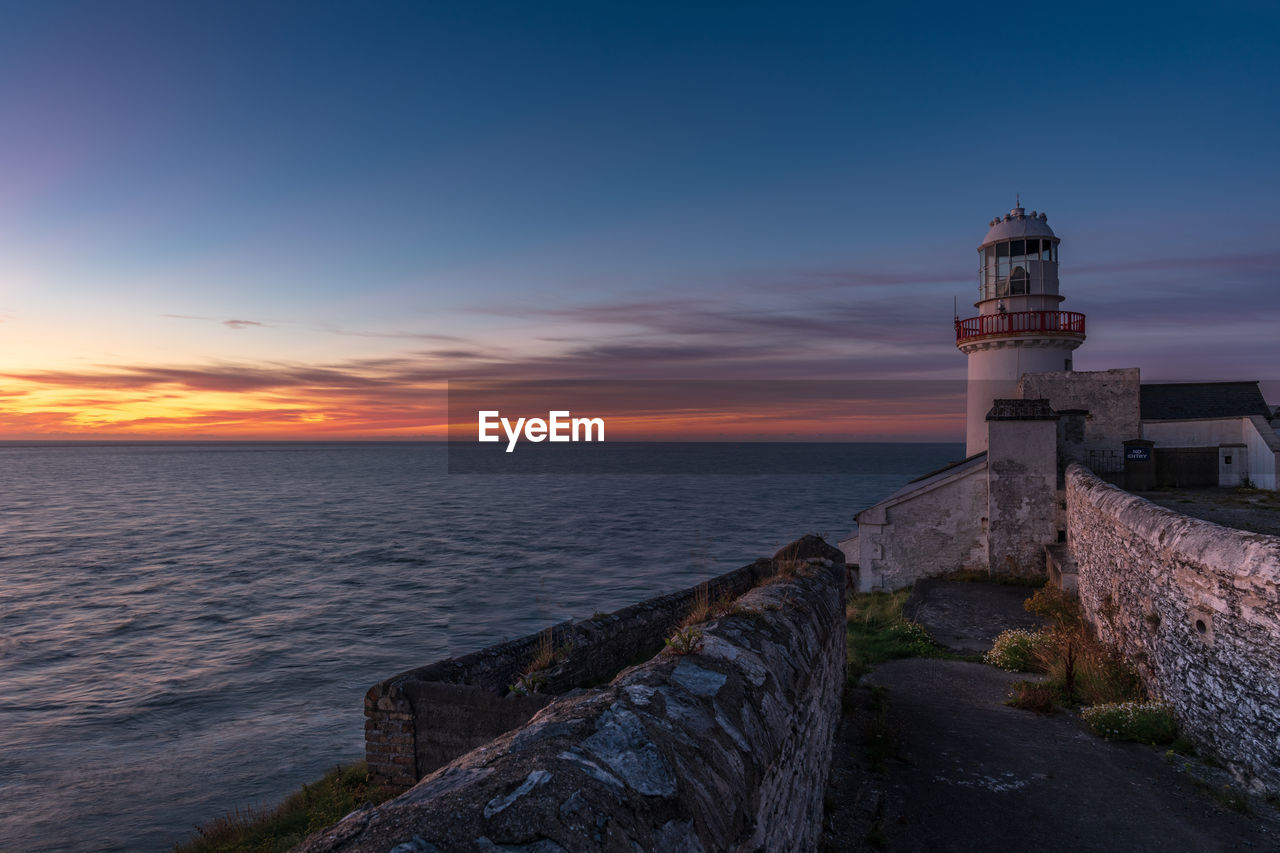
(1019, 328)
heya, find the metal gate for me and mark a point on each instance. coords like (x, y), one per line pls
(1186, 467)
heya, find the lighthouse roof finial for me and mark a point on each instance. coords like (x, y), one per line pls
(1016, 223)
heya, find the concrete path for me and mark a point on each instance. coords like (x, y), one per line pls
(964, 772)
(967, 617)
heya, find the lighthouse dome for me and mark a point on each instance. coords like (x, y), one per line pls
(1018, 223)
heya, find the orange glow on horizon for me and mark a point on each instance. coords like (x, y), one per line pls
(32, 410)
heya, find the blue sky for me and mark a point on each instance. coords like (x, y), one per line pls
(355, 196)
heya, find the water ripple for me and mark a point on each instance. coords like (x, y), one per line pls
(189, 629)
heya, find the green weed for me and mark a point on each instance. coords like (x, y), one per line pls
(1037, 696)
(313, 808)
(1017, 650)
(1145, 722)
(877, 631)
(685, 641)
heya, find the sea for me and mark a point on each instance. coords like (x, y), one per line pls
(190, 629)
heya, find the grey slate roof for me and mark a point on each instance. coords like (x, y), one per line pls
(1193, 400)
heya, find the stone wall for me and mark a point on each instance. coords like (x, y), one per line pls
(1196, 606)
(726, 748)
(422, 719)
(929, 527)
(1111, 398)
(1022, 486)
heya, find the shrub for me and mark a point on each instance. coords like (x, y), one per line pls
(1085, 671)
(1061, 609)
(912, 640)
(1103, 676)
(1038, 696)
(1017, 650)
(1145, 722)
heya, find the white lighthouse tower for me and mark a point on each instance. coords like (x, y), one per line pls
(1019, 328)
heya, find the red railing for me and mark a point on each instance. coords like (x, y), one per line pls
(1020, 323)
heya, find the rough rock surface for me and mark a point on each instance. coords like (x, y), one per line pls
(810, 546)
(420, 720)
(725, 748)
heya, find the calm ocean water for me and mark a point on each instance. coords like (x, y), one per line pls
(187, 629)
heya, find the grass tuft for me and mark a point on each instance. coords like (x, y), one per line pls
(544, 654)
(1145, 722)
(1037, 696)
(700, 610)
(313, 808)
(685, 641)
(877, 631)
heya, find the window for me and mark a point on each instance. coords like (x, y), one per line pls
(1018, 281)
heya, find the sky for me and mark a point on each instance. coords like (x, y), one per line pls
(303, 220)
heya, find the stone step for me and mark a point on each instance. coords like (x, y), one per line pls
(1061, 566)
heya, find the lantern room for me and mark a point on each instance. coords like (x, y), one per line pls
(1019, 257)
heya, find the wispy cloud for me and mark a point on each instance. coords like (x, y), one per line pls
(394, 335)
(230, 323)
(832, 325)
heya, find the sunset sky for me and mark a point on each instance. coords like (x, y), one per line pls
(301, 220)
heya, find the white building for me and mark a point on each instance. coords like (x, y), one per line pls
(1030, 414)
(1019, 328)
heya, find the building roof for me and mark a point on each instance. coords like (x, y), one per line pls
(1201, 400)
(946, 469)
(1018, 223)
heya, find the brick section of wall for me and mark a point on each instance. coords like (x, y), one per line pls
(457, 704)
(727, 748)
(389, 740)
(1196, 606)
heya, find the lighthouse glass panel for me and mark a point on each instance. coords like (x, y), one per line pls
(1002, 269)
(1018, 281)
(988, 270)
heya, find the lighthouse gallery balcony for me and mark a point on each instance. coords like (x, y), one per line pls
(1066, 323)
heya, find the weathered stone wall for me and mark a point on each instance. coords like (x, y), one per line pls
(927, 528)
(1196, 606)
(1022, 486)
(726, 748)
(421, 719)
(1111, 398)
